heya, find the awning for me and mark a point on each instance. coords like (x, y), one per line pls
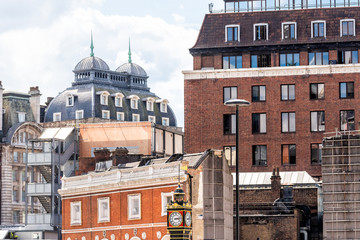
(56, 133)
(3, 234)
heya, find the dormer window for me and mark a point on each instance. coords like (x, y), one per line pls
(118, 99)
(152, 119)
(232, 33)
(70, 100)
(318, 29)
(149, 103)
(261, 31)
(103, 97)
(133, 101)
(347, 27)
(163, 105)
(21, 116)
(165, 121)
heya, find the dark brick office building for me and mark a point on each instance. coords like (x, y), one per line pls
(296, 62)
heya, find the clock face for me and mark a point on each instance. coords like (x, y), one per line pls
(188, 219)
(175, 219)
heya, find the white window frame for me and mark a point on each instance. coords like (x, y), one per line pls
(150, 105)
(282, 29)
(238, 35)
(347, 20)
(101, 212)
(164, 196)
(79, 112)
(152, 119)
(107, 112)
(135, 115)
(21, 116)
(72, 100)
(122, 116)
(73, 219)
(312, 26)
(118, 96)
(130, 197)
(104, 98)
(166, 120)
(261, 24)
(56, 116)
(134, 99)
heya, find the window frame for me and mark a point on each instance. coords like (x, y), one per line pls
(70, 97)
(342, 56)
(105, 112)
(352, 95)
(289, 124)
(163, 107)
(135, 115)
(258, 162)
(286, 59)
(21, 117)
(318, 120)
(260, 58)
(288, 91)
(266, 29)
(152, 119)
(149, 105)
(317, 91)
(232, 158)
(341, 27)
(104, 98)
(57, 115)
(74, 221)
(282, 30)
(259, 93)
(347, 122)
(130, 197)
(312, 28)
(237, 35)
(319, 154)
(106, 218)
(122, 114)
(165, 120)
(282, 154)
(237, 57)
(316, 58)
(232, 124)
(164, 196)
(118, 101)
(230, 88)
(260, 131)
(79, 112)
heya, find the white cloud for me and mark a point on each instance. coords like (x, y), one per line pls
(178, 18)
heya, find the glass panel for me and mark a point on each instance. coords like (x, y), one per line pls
(233, 93)
(325, 3)
(235, 34)
(347, 57)
(226, 94)
(233, 123)
(311, 59)
(256, 5)
(354, 3)
(292, 31)
(232, 62)
(262, 93)
(342, 90)
(229, 6)
(298, 4)
(292, 122)
(355, 57)
(229, 34)
(255, 94)
(339, 3)
(292, 154)
(238, 61)
(321, 122)
(344, 28)
(351, 28)
(285, 122)
(263, 155)
(313, 91)
(321, 30)
(225, 62)
(284, 92)
(254, 61)
(318, 58)
(291, 92)
(286, 31)
(316, 30)
(350, 90)
(321, 91)
(255, 123)
(282, 60)
(263, 123)
(289, 60)
(325, 58)
(270, 4)
(296, 59)
(313, 121)
(243, 6)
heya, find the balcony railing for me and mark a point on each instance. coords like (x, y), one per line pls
(39, 158)
(43, 189)
(39, 218)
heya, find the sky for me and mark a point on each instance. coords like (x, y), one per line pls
(41, 41)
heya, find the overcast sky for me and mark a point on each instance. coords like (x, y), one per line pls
(41, 41)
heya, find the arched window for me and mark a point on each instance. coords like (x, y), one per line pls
(149, 103)
(103, 97)
(69, 100)
(163, 105)
(118, 99)
(133, 101)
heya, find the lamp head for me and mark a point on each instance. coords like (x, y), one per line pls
(237, 102)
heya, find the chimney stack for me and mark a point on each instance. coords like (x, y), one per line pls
(276, 182)
(35, 102)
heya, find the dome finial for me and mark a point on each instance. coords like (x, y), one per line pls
(129, 52)
(92, 46)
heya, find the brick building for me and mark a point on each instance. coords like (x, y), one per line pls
(297, 63)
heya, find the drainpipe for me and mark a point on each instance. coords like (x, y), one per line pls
(303, 231)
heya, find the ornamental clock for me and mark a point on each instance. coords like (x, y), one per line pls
(176, 219)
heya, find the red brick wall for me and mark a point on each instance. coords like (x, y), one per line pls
(204, 111)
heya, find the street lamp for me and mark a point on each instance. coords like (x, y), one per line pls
(237, 103)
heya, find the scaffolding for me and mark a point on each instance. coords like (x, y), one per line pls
(341, 185)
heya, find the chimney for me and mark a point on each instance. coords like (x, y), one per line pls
(276, 182)
(102, 155)
(1, 106)
(35, 102)
(48, 101)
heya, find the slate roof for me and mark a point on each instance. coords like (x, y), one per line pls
(133, 69)
(91, 63)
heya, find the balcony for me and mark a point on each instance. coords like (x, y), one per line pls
(43, 158)
(41, 189)
(38, 218)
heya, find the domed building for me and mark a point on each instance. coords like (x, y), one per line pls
(98, 92)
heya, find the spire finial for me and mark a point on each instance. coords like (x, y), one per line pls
(129, 52)
(92, 46)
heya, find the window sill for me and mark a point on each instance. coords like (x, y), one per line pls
(288, 132)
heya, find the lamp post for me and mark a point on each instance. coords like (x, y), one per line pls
(237, 103)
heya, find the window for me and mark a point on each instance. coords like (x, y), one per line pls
(75, 213)
(319, 58)
(288, 92)
(136, 118)
(104, 98)
(288, 153)
(288, 122)
(260, 31)
(231, 62)
(150, 105)
(21, 116)
(152, 119)
(105, 114)
(79, 114)
(317, 121)
(23, 195)
(289, 30)
(230, 155)
(166, 199)
(103, 205)
(16, 157)
(258, 93)
(70, 100)
(120, 116)
(259, 155)
(24, 157)
(347, 27)
(163, 107)
(134, 104)
(347, 90)
(347, 120)
(289, 59)
(57, 117)
(316, 149)
(318, 29)
(165, 121)
(16, 217)
(118, 101)
(232, 33)
(229, 123)
(134, 206)
(259, 123)
(260, 60)
(15, 195)
(348, 57)
(15, 175)
(317, 91)
(230, 93)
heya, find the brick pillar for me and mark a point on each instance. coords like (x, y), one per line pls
(197, 62)
(276, 183)
(333, 56)
(246, 60)
(218, 61)
(275, 60)
(304, 58)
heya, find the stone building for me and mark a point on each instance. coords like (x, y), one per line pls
(296, 62)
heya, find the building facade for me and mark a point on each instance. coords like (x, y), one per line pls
(296, 64)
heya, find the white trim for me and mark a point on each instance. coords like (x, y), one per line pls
(238, 35)
(164, 196)
(56, 115)
(130, 197)
(106, 217)
(79, 111)
(150, 105)
(104, 98)
(22, 114)
(73, 218)
(122, 118)
(67, 100)
(120, 101)
(152, 119)
(166, 121)
(107, 112)
(318, 21)
(347, 20)
(135, 115)
(282, 29)
(261, 24)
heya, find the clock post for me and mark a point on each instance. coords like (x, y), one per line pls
(179, 216)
